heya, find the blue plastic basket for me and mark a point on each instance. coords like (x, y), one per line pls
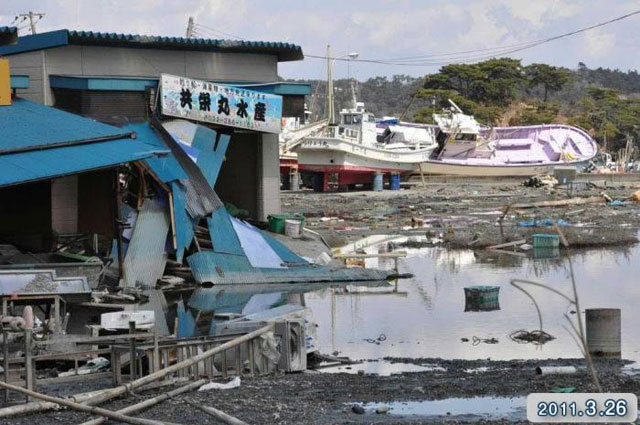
(546, 241)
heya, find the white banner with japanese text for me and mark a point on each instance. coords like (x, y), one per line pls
(220, 104)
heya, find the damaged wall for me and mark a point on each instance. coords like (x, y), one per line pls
(25, 216)
(238, 179)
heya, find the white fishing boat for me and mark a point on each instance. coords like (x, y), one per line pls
(467, 148)
(353, 151)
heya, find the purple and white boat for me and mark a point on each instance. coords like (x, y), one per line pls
(467, 148)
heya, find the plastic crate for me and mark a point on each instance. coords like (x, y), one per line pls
(276, 221)
(482, 298)
(546, 241)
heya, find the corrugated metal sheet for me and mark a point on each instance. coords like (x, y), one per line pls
(283, 252)
(48, 163)
(40, 282)
(223, 235)
(27, 125)
(146, 256)
(165, 167)
(200, 194)
(210, 146)
(226, 269)
(184, 227)
(284, 51)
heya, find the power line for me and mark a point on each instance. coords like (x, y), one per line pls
(477, 54)
(210, 29)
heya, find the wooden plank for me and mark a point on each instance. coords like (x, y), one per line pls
(507, 244)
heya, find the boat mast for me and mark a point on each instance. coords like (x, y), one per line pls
(330, 113)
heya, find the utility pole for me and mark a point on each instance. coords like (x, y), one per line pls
(190, 27)
(32, 23)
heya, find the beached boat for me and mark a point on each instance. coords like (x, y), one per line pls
(354, 152)
(467, 148)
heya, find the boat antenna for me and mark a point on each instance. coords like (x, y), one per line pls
(456, 107)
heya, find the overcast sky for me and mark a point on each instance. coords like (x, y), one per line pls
(376, 29)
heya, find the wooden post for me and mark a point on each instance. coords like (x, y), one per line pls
(132, 353)
(252, 366)
(424, 184)
(29, 374)
(238, 361)
(57, 316)
(116, 366)
(118, 227)
(5, 362)
(224, 364)
(156, 350)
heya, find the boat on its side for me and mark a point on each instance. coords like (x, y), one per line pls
(467, 148)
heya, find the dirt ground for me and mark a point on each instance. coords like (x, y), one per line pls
(318, 398)
(466, 215)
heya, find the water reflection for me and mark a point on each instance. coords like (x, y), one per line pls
(429, 321)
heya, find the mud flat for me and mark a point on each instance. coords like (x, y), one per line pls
(468, 215)
(320, 398)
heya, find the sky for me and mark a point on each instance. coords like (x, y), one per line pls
(375, 29)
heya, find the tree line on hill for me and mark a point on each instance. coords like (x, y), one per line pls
(503, 91)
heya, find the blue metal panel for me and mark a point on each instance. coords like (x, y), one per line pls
(184, 227)
(19, 81)
(226, 269)
(211, 152)
(186, 322)
(165, 167)
(48, 163)
(292, 89)
(101, 83)
(223, 235)
(28, 125)
(283, 252)
(29, 43)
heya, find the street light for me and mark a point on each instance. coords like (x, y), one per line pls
(330, 62)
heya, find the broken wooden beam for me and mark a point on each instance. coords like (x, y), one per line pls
(561, 202)
(84, 408)
(219, 415)
(507, 244)
(135, 408)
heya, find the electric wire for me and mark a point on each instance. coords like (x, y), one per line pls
(477, 54)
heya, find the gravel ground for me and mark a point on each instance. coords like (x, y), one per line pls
(319, 398)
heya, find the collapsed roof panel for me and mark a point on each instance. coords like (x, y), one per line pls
(28, 126)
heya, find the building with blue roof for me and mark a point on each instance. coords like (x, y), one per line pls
(113, 78)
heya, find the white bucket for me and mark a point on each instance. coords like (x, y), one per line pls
(292, 227)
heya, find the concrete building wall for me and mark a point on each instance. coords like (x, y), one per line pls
(64, 204)
(268, 175)
(29, 64)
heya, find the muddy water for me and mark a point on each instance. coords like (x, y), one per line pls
(425, 316)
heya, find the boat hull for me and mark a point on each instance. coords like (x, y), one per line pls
(335, 156)
(444, 168)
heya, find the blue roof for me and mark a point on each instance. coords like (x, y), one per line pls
(28, 125)
(284, 51)
(18, 168)
(40, 142)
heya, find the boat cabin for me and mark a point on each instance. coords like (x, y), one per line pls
(358, 125)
